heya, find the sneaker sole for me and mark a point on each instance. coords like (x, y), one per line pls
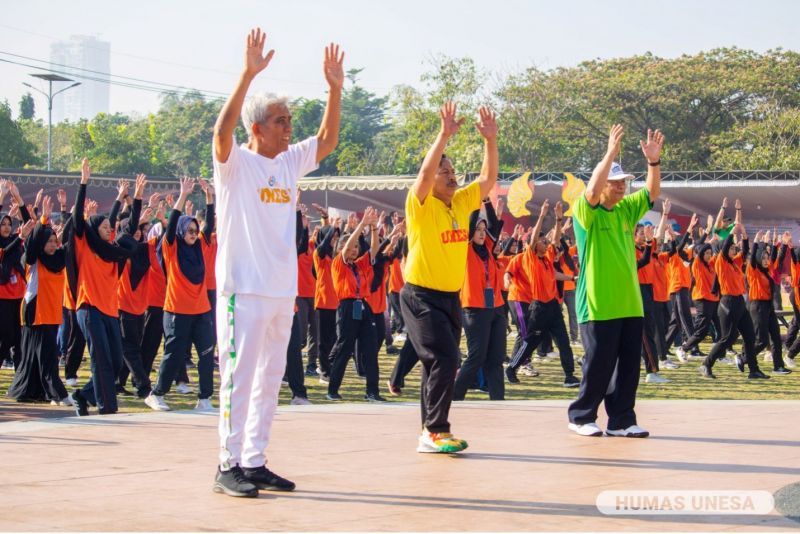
(633, 435)
(433, 450)
(574, 428)
(219, 488)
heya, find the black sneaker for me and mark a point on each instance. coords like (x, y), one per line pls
(263, 478)
(311, 372)
(740, 363)
(781, 371)
(234, 483)
(511, 375)
(706, 372)
(333, 397)
(571, 382)
(391, 349)
(757, 374)
(374, 397)
(80, 403)
(122, 391)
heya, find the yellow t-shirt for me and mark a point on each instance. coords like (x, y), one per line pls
(438, 237)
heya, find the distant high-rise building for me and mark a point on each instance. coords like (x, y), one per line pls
(91, 97)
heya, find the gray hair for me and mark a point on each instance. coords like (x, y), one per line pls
(255, 108)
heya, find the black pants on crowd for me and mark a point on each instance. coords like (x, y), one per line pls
(151, 336)
(181, 331)
(433, 321)
(519, 318)
(767, 331)
(706, 312)
(734, 320)
(10, 330)
(403, 365)
(397, 316)
(569, 302)
(660, 315)
(680, 321)
(545, 318)
(326, 322)
(307, 321)
(649, 350)
(348, 330)
(294, 361)
(132, 328)
(76, 346)
(485, 329)
(610, 372)
(794, 326)
(103, 337)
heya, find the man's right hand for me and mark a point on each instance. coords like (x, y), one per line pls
(254, 60)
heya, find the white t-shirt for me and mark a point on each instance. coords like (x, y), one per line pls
(256, 219)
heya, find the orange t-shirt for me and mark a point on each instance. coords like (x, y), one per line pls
(794, 270)
(729, 274)
(344, 277)
(542, 274)
(306, 284)
(97, 280)
(647, 272)
(210, 258)
(704, 278)
(660, 277)
(679, 274)
(49, 295)
(15, 288)
(377, 299)
(479, 276)
(130, 300)
(569, 285)
(325, 295)
(758, 284)
(157, 283)
(519, 290)
(396, 281)
(182, 296)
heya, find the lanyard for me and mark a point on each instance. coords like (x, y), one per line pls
(486, 271)
(358, 280)
(453, 219)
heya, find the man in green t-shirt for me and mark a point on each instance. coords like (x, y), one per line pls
(609, 303)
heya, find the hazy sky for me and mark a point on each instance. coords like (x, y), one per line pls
(200, 43)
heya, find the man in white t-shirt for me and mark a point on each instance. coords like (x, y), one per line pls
(256, 265)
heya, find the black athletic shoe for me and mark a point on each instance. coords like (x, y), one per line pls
(571, 382)
(391, 349)
(706, 372)
(80, 403)
(756, 374)
(234, 483)
(122, 391)
(333, 397)
(311, 372)
(781, 371)
(511, 375)
(264, 479)
(374, 397)
(740, 363)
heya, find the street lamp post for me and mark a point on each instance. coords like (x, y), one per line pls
(49, 95)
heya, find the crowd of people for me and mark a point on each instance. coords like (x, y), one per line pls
(265, 294)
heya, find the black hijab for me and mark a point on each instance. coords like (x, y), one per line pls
(13, 261)
(140, 260)
(481, 250)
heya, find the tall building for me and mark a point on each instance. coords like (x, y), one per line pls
(91, 97)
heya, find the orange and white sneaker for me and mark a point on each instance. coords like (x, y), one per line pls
(440, 442)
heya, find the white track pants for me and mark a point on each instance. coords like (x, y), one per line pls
(253, 334)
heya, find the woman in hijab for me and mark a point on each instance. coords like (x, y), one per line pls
(93, 264)
(187, 312)
(12, 279)
(37, 377)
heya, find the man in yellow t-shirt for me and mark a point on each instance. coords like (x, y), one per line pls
(437, 222)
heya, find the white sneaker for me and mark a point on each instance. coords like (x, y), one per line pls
(512, 335)
(204, 405)
(726, 360)
(767, 357)
(184, 389)
(300, 401)
(668, 364)
(156, 403)
(655, 378)
(66, 401)
(528, 370)
(552, 355)
(400, 336)
(633, 431)
(589, 429)
(72, 382)
(574, 343)
(789, 363)
(682, 356)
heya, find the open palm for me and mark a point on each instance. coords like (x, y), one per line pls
(254, 59)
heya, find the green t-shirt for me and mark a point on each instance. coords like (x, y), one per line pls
(608, 286)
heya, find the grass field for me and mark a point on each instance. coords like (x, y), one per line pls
(685, 383)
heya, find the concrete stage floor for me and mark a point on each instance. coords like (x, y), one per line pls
(356, 469)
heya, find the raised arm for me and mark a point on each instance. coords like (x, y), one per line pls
(328, 134)
(651, 148)
(80, 200)
(738, 205)
(537, 228)
(187, 184)
(666, 206)
(600, 174)
(720, 221)
(210, 226)
(254, 62)
(487, 127)
(430, 165)
(559, 213)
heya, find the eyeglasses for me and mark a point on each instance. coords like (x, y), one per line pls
(191, 231)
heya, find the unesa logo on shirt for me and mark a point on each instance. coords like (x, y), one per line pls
(454, 236)
(274, 195)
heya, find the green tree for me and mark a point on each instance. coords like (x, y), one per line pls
(770, 142)
(27, 107)
(15, 150)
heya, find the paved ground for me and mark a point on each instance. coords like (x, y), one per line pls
(356, 469)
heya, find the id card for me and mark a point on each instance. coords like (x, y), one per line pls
(488, 297)
(358, 310)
